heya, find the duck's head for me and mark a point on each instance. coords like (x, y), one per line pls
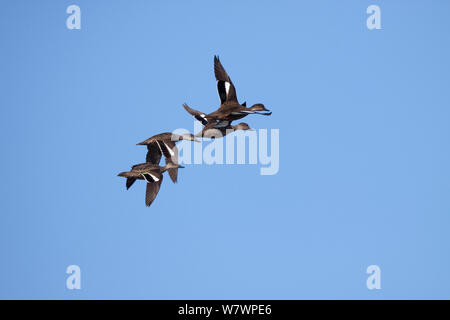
(186, 136)
(242, 126)
(260, 107)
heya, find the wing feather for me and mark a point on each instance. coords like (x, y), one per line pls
(153, 153)
(152, 190)
(225, 87)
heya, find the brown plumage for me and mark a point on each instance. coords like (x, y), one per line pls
(164, 144)
(212, 131)
(230, 109)
(217, 123)
(152, 174)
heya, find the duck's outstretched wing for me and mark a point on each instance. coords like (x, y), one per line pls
(170, 152)
(200, 116)
(154, 181)
(225, 87)
(130, 182)
(154, 138)
(153, 153)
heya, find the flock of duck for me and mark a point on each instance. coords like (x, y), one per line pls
(216, 124)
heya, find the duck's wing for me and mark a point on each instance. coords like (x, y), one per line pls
(137, 169)
(130, 182)
(153, 153)
(153, 139)
(225, 86)
(170, 152)
(154, 180)
(200, 116)
(173, 172)
(168, 148)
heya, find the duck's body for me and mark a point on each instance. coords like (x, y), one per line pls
(164, 144)
(151, 173)
(213, 131)
(235, 111)
(230, 109)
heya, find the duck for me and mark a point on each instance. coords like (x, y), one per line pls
(217, 129)
(164, 144)
(152, 174)
(230, 109)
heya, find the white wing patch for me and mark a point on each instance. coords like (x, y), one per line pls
(227, 87)
(170, 150)
(155, 179)
(159, 146)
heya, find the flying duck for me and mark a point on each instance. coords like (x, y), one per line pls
(230, 109)
(214, 129)
(151, 173)
(164, 144)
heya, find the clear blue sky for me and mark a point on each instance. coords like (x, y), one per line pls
(364, 150)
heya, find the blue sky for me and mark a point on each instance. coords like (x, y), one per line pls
(364, 175)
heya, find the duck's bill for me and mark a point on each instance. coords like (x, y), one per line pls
(268, 113)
